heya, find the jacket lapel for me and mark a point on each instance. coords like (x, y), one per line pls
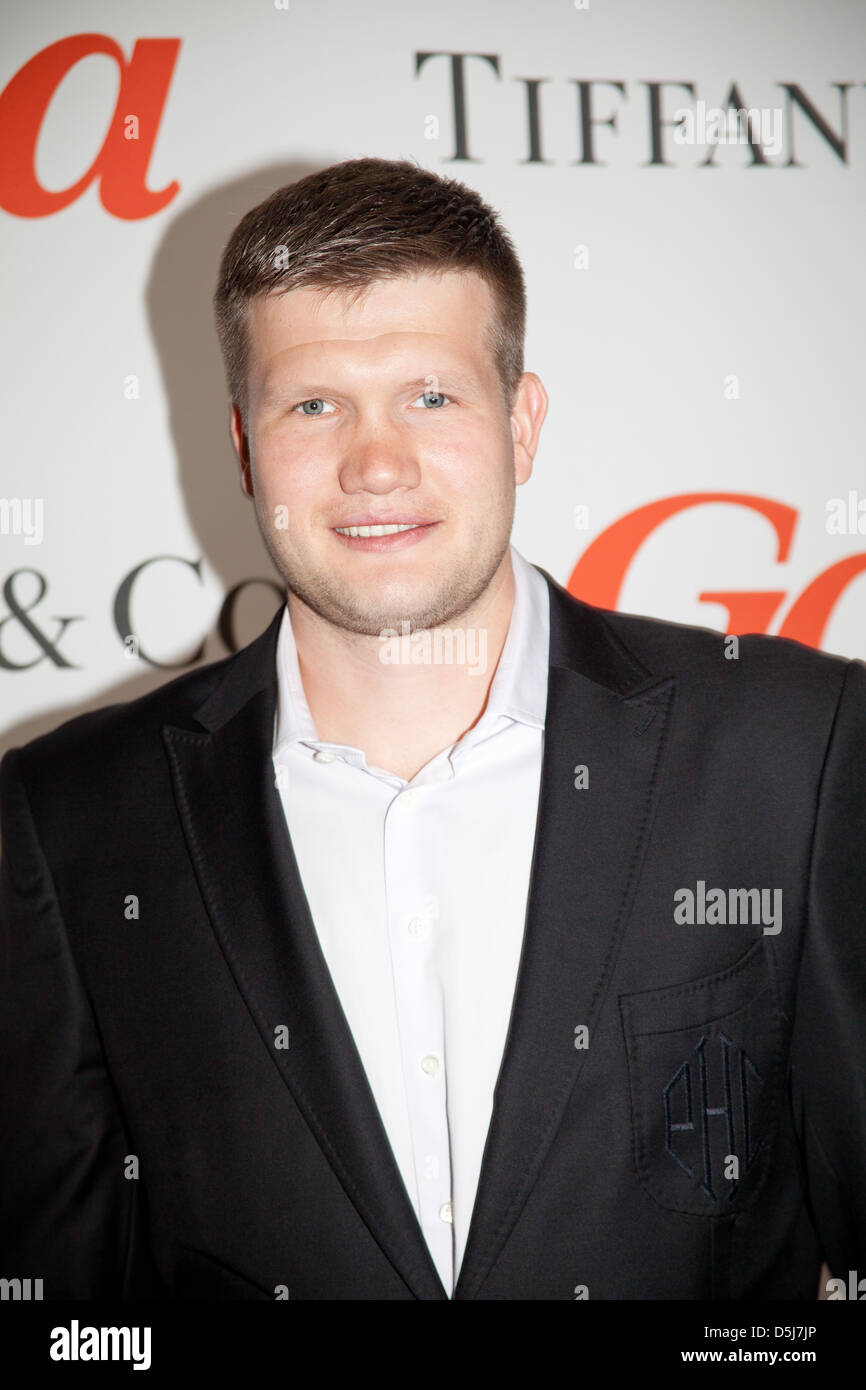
(605, 711)
(240, 847)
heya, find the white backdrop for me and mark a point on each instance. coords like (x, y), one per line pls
(699, 328)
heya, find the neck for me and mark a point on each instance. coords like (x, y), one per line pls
(401, 713)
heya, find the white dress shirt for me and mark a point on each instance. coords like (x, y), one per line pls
(418, 894)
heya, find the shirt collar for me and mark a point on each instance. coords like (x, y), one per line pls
(518, 691)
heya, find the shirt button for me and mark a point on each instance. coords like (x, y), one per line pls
(430, 1065)
(323, 755)
(418, 927)
(445, 1212)
(408, 798)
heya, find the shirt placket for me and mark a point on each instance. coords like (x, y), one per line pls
(413, 921)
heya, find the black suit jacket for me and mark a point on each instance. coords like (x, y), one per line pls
(156, 1141)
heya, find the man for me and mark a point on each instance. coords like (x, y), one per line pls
(455, 938)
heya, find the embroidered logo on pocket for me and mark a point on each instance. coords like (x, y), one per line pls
(709, 1103)
(703, 1061)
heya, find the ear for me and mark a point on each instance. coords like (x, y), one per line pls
(242, 448)
(527, 417)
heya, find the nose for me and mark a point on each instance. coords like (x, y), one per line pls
(379, 458)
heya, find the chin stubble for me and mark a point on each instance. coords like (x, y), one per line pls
(335, 604)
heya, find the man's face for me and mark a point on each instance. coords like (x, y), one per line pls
(385, 412)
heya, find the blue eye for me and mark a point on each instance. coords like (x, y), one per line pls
(433, 400)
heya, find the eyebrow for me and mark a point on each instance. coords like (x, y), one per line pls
(453, 380)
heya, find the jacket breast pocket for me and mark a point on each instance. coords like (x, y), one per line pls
(705, 1063)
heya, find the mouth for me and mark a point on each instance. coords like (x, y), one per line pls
(384, 536)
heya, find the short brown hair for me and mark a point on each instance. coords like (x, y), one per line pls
(360, 221)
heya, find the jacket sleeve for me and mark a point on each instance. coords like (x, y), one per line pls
(68, 1215)
(828, 1059)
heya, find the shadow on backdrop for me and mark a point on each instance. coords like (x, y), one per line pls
(178, 296)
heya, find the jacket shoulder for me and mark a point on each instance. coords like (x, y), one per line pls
(683, 649)
(113, 739)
